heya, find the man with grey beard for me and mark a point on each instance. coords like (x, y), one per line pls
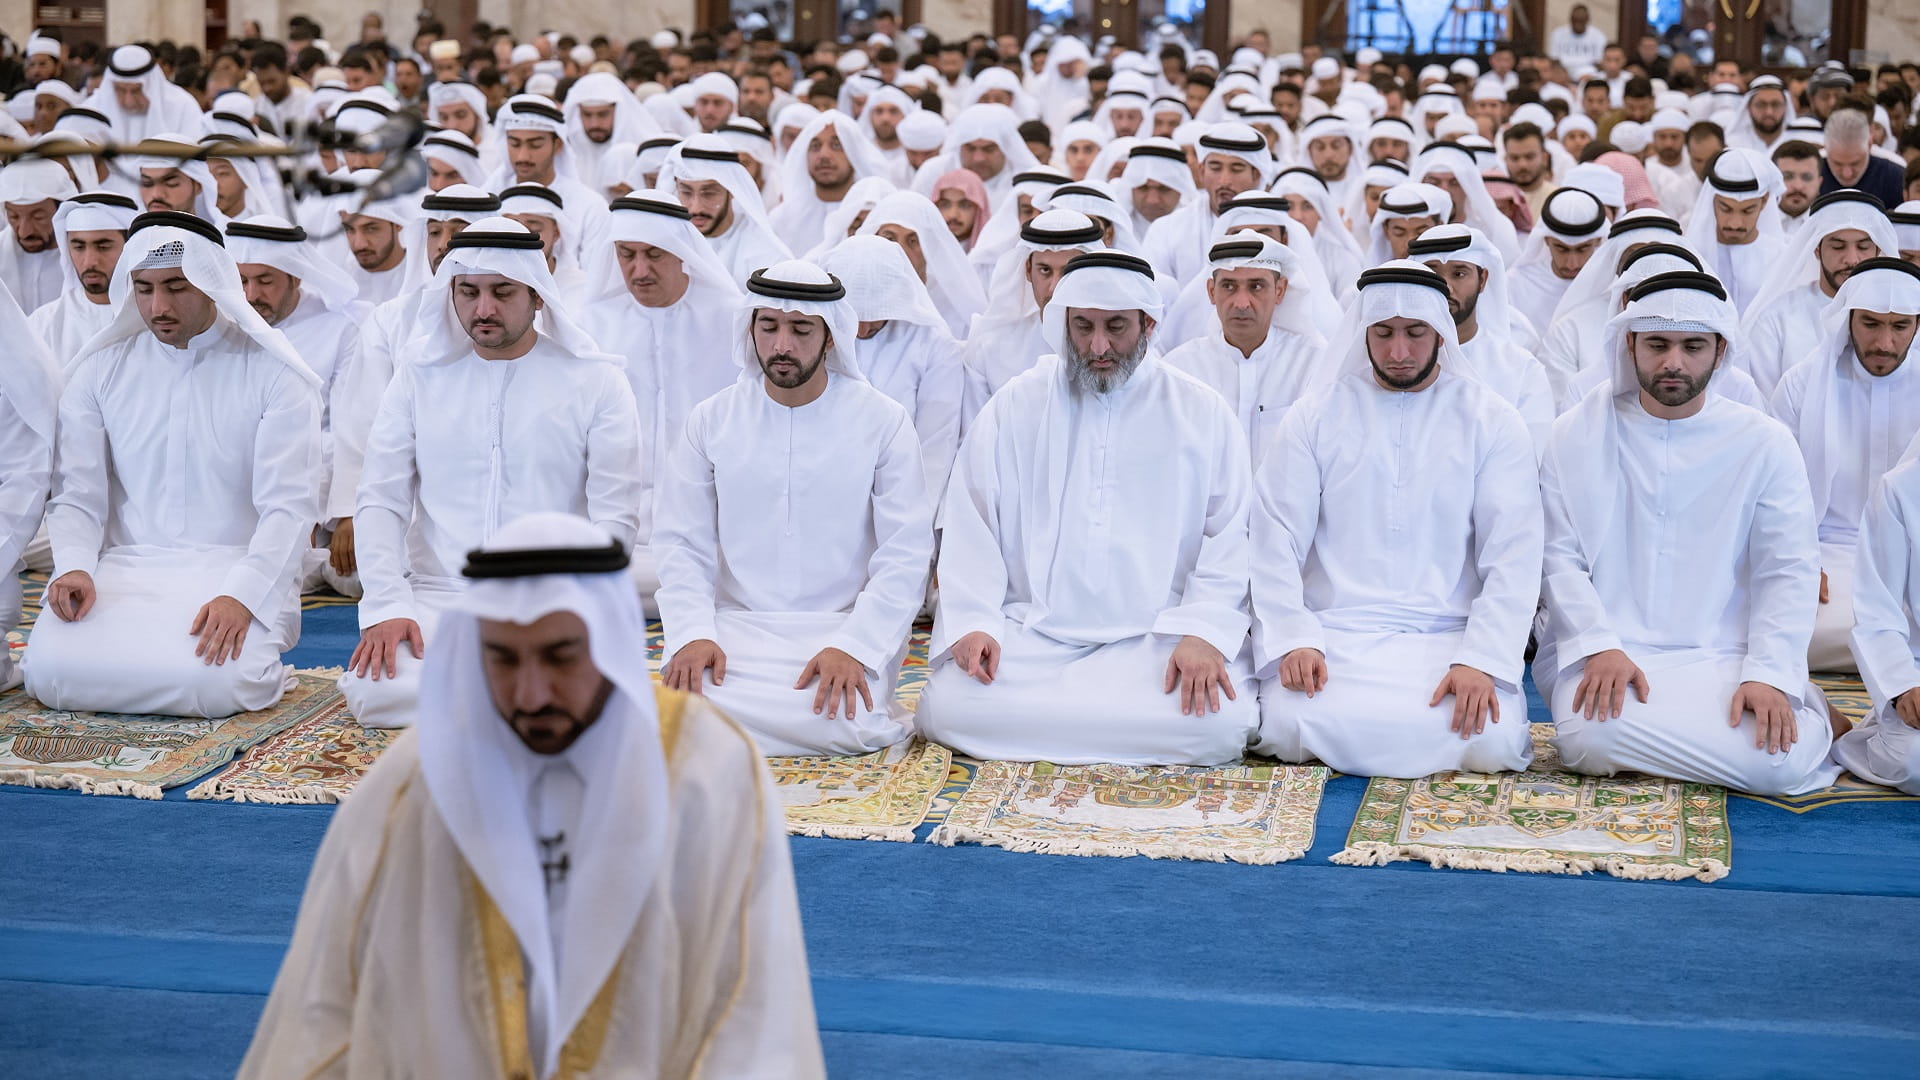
(1094, 558)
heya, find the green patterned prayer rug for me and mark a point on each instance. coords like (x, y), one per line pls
(1257, 812)
(1846, 693)
(1545, 820)
(141, 756)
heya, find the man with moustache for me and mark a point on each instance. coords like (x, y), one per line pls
(1783, 324)
(1233, 158)
(705, 174)
(90, 229)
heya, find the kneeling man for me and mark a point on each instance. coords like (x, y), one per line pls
(1682, 566)
(1398, 537)
(793, 530)
(1093, 560)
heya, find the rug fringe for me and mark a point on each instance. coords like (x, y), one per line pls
(897, 833)
(309, 794)
(321, 672)
(948, 835)
(1526, 862)
(86, 785)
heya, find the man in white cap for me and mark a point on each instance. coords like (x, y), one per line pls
(31, 264)
(1496, 341)
(906, 350)
(1571, 228)
(1736, 226)
(1682, 566)
(1853, 406)
(563, 872)
(29, 406)
(1007, 338)
(887, 108)
(186, 487)
(923, 134)
(829, 156)
(488, 417)
(1397, 657)
(89, 229)
(1669, 172)
(138, 100)
(1262, 350)
(706, 175)
(795, 624)
(662, 299)
(1233, 159)
(715, 97)
(314, 304)
(1783, 328)
(1093, 587)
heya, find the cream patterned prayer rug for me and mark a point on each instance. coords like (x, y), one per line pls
(1257, 812)
(1545, 820)
(317, 761)
(884, 795)
(141, 756)
(1849, 695)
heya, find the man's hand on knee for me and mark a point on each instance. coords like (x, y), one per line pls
(1475, 701)
(221, 625)
(683, 672)
(340, 548)
(1774, 728)
(978, 655)
(1907, 707)
(1304, 669)
(1201, 670)
(379, 648)
(71, 595)
(841, 679)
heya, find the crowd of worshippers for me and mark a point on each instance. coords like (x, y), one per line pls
(1293, 405)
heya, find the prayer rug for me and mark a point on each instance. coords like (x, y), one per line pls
(318, 760)
(1545, 820)
(1847, 694)
(913, 669)
(33, 585)
(141, 756)
(1256, 812)
(884, 795)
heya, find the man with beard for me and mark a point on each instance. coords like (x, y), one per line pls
(32, 266)
(803, 656)
(1329, 142)
(1233, 158)
(1527, 163)
(1682, 566)
(1496, 341)
(489, 418)
(880, 122)
(1669, 172)
(705, 174)
(1854, 406)
(1782, 327)
(1799, 165)
(1762, 118)
(829, 156)
(1008, 336)
(1093, 586)
(91, 229)
(1389, 625)
(1735, 227)
(1572, 225)
(604, 125)
(534, 132)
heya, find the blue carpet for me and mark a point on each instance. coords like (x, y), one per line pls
(137, 938)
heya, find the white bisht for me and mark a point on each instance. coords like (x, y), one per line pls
(69, 320)
(29, 404)
(1739, 175)
(1691, 545)
(1006, 336)
(1398, 533)
(183, 474)
(1852, 426)
(1571, 216)
(33, 277)
(911, 358)
(1087, 533)
(785, 531)
(429, 940)
(950, 280)
(1783, 325)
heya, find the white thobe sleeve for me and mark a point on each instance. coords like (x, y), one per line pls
(286, 496)
(896, 586)
(77, 512)
(1783, 556)
(1213, 605)
(686, 537)
(613, 459)
(1286, 515)
(972, 568)
(936, 415)
(359, 388)
(24, 480)
(1882, 564)
(1576, 616)
(383, 507)
(1507, 540)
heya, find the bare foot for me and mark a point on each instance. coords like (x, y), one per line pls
(1838, 721)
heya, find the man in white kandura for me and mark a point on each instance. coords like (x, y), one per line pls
(665, 303)
(1233, 158)
(794, 532)
(1572, 227)
(1397, 531)
(29, 405)
(1736, 226)
(89, 229)
(32, 267)
(705, 174)
(1853, 405)
(1784, 325)
(1263, 351)
(186, 485)
(1494, 338)
(1682, 566)
(1006, 339)
(1093, 561)
(1885, 747)
(562, 871)
(503, 407)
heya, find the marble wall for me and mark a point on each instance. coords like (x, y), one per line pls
(1893, 31)
(957, 18)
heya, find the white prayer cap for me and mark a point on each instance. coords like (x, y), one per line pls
(995, 123)
(1669, 120)
(795, 117)
(269, 240)
(1366, 57)
(1239, 141)
(1906, 224)
(1577, 122)
(581, 55)
(1326, 69)
(664, 39)
(801, 288)
(1101, 281)
(454, 150)
(922, 130)
(1465, 66)
(523, 54)
(1555, 92)
(42, 46)
(1489, 90)
(531, 112)
(881, 283)
(503, 246)
(1599, 181)
(446, 93)
(35, 180)
(205, 262)
(1532, 113)
(657, 220)
(851, 61)
(444, 49)
(543, 84)
(1630, 136)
